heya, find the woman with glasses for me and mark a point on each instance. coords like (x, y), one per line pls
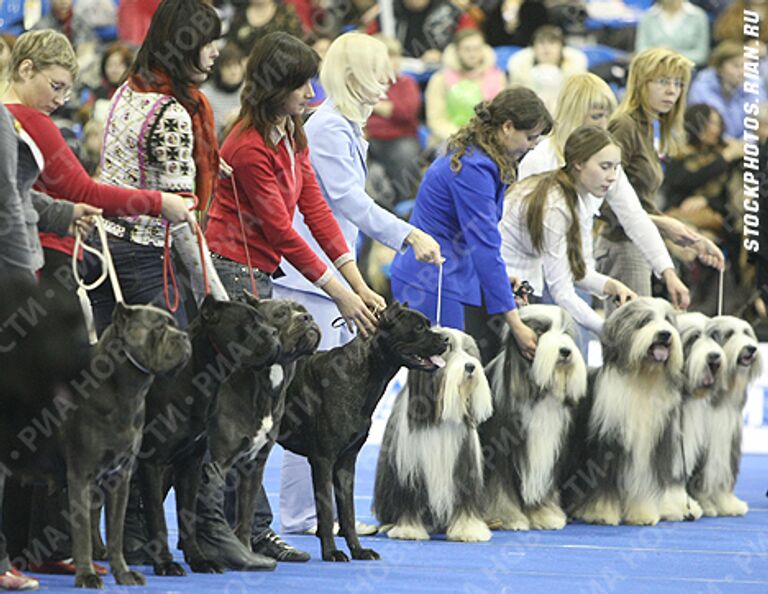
(43, 70)
(655, 99)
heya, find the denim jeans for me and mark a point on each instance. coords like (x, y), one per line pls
(140, 272)
(235, 278)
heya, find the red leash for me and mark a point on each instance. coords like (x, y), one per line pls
(168, 272)
(254, 290)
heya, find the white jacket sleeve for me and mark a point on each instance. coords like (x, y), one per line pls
(558, 276)
(637, 224)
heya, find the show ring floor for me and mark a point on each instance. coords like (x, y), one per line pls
(710, 556)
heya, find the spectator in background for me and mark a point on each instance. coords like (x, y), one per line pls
(133, 19)
(6, 45)
(224, 86)
(259, 17)
(114, 64)
(393, 129)
(722, 86)
(63, 19)
(469, 75)
(545, 66)
(677, 25)
(424, 28)
(513, 22)
(729, 24)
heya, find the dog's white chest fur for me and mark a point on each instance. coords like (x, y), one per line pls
(545, 424)
(431, 454)
(276, 375)
(720, 425)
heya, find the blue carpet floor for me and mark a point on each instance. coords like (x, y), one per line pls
(713, 555)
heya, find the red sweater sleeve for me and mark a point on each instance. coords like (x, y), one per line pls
(260, 190)
(317, 214)
(64, 176)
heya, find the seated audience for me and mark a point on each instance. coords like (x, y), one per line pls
(678, 25)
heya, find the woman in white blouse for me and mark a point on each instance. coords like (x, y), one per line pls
(544, 219)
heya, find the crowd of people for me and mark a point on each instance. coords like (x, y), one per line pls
(270, 121)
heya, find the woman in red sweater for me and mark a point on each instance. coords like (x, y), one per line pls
(42, 71)
(267, 150)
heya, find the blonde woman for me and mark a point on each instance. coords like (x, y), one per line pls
(355, 74)
(658, 79)
(543, 224)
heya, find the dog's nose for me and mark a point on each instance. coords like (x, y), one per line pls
(469, 368)
(713, 360)
(306, 318)
(750, 350)
(565, 352)
(663, 336)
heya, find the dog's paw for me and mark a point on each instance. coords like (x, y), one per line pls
(520, 524)
(205, 566)
(468, 528)
(365, 555)
(408, 532)
(88, 580)
(547, 518)
(170, 568)
(336, 555)
(641, 517)
(130, 578)
(730, 505)
(694, 511)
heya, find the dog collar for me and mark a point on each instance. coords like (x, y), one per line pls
(136, 364)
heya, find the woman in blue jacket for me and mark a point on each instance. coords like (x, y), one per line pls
(460, 203)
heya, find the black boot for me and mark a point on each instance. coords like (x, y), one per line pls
(214, 536)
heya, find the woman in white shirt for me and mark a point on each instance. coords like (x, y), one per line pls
(543, 224)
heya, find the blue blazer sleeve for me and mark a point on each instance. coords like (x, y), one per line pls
(340, 169)
(477, 194)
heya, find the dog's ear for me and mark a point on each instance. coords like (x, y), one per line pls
(209, 310)
(119, 314)
(387, 316)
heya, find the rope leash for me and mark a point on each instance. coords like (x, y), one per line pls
(720, 292)
(439, 293)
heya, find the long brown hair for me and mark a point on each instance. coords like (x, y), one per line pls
(178, 31)
(583, 142)
(518, 105)
(278, 64)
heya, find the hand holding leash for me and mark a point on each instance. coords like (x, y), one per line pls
(372, 299)
(83, 219)
(425, 248)
(525, 337)
(521, 289)
(678, 292)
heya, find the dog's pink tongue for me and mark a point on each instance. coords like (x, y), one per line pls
(660, 353)
(437, 361)
(709, 379)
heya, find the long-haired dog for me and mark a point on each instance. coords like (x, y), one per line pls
(533, 405)
(626, 449)
(713, 427)
(702, 378)
(429, 477)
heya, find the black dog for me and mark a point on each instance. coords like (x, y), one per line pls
(329, 406)
(225, 336)
(101, 418)
(251, 404)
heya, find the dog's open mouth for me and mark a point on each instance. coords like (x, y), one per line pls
(746, 358)
(709, 377)
(425, 363)
(659, 352)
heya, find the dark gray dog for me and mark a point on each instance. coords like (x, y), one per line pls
(251, 405)
(102, 418)
(329, 406)
(226, 336)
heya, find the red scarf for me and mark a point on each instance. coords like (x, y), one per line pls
(206, 149)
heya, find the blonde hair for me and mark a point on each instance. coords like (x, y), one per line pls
(580, 94)
(649, 65)
(45, 48)
(355, 64)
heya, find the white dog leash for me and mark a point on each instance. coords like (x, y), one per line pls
(439, 293)
(107, 270)
(720, 293)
